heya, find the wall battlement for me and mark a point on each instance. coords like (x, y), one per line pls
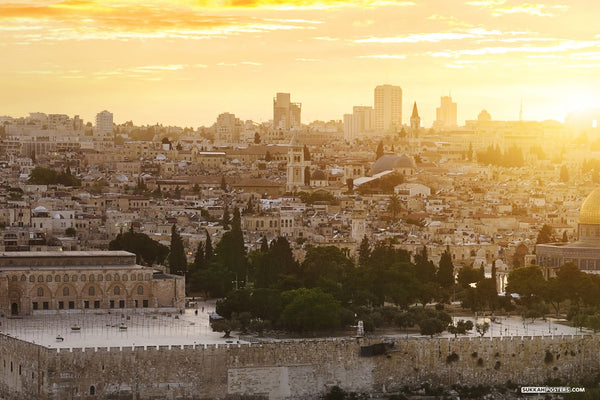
(298, 369)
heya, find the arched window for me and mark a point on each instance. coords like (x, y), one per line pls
(108, 277)
(15, 278)
(74, 278)
(92, 390)
(92, 291)
(117, 291)
(66, 279)
(82, 277)
(40, 278)
(23, 278)
(40, 292)
(140, 289)
(31, 278)
(48, 278)
(125, 277)
(91, 277)
(117, 277)
(57, 278)
(100, 277)
(65, 291)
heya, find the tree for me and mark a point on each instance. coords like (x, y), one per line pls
(256, 138)
(394, 205)
(468, 275)
(145, 249)
(379, 151)
(309, 310)
(564, 174)
(445, 273)
(546, 235)
(425, 268)
(199, 258)
(461, 327)
(364, 252)
(519, 257)
(208, 249)
(177, 258)
(225, 220)
(528, 282)
(225, 325)
(431, 326)
(482, 328)
(236, 221)
(306, 153)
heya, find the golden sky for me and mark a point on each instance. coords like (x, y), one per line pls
(185, 61)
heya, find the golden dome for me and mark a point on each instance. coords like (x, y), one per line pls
(590, 209)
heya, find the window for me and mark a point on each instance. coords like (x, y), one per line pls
(92, 291)
(31, 278)
(45, 305)
(112, 304)
(125, 277)
(86, 304)
(133, 277)
(71, 305)
(117, 291)
(40, 292)
(57, 278)
(91, 277)
(147, 277)
(65, 291)
(140, 277)
(74, 278)
(108, 277)
(121, 303)
(96, 303)
(92, 390)
(40, 278)
(140, 290)
(117, 277)
(61, 305)
(100, 277)
(35, 305)
(48, 278)
(23, 278)
(83, 278)
(66, 278)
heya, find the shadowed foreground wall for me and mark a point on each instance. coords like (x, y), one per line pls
(288, 370)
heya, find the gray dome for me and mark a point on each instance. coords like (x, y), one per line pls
(392, 161)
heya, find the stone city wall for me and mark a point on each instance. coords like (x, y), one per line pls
(287, 370)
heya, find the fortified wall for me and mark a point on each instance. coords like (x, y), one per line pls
(287, 370)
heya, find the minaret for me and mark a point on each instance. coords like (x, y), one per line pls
(415, 121)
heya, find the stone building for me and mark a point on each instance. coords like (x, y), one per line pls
(33, 282)
(585, 252)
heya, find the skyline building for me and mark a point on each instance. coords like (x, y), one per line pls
(104, 122)
(445, 113)
(415, 120)
(360, 121)
(388, 108)
(286, 115)
(228, 128)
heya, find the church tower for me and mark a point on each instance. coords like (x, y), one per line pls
(415, 121)
(297, 166)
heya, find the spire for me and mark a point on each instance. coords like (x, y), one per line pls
(415, 113)
(521, 111)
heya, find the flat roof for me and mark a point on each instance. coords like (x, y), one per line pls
(65, 254)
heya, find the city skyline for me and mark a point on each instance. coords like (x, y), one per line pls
(184, 63)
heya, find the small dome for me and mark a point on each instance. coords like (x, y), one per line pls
(590, 209)
(392, 161)
(40, 209)
(161, 157)
(318, 175)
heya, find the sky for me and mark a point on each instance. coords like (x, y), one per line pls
(183, 62)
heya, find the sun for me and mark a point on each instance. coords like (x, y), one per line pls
(581, 101)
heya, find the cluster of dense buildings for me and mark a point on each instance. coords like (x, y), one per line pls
(149, 178)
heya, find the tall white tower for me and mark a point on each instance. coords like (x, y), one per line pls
(388, 108)
(297, 167)
(104, 122)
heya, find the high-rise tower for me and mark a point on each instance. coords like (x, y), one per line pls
(286, 115)
(388, 108)
(446, 113)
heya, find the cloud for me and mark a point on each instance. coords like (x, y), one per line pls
(107, 19)
(386, 56)
(535, 9)
(433, 37)
(562, 46)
